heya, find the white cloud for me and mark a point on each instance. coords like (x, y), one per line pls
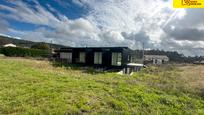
(132, 16)
(4, 25)
(111, 23)
(113, 36)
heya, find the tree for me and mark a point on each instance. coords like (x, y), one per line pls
(42, 46)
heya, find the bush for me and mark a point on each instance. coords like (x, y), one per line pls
(23, 52)
(42, 46)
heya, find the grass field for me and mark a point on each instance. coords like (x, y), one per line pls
(36, 87)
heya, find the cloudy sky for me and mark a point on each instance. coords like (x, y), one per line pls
(105, 23)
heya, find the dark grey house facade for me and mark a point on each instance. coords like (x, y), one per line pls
(111, 57)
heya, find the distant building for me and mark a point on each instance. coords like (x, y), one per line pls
(9, 45)
(199, 62)
(156, 59)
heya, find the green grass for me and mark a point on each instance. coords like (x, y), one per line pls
(36, 87)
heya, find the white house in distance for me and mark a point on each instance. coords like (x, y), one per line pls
(9, 45)
(156, 59)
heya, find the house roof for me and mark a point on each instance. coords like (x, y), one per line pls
(135, 64)
(156, 56)
(9, 45)
(93, 47)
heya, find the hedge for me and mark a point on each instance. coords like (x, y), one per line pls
(23, 52)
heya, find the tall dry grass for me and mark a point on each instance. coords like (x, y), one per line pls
(193, 75)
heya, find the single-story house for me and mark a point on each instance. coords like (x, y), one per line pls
(109, 57)
(199, 62)
(156, 59)
(9, 45)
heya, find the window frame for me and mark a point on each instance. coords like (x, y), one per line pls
(116, 59)
(67, 56)
(98, 57)
(82, 58)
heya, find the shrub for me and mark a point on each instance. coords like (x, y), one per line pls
(23, 52)
(42, 46)
(0, 50)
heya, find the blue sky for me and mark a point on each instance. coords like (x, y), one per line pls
(105, 23)
(70, 9)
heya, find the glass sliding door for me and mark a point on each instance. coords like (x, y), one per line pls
(98, 58)
(116, 59)
(67, 56)
(82, 57)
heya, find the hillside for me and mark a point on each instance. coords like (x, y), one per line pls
(36, 87)
(23, 43)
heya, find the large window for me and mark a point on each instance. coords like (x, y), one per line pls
(116, 59)
(82, 57)
(67, 56)
(97, 58)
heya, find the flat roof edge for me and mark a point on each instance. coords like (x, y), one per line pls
(91, 47)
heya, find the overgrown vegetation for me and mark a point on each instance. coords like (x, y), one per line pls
(36, 87)
(23, 52)
(41, 46)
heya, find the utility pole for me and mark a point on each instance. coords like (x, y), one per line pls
(143, 53)
(200, 52)
(51, 46)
